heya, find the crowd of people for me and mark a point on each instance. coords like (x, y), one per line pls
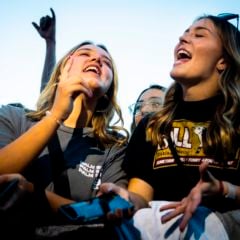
(180, 165)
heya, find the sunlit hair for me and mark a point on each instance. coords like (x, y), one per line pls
(220, 138)
(106, 109)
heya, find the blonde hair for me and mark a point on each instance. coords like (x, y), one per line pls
(106, 108)
(220, 138)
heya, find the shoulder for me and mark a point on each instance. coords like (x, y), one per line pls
(11, 111)
(120, 137)
(14, 116)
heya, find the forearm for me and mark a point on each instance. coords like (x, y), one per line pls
(138, 201)
(55, 201)
(18, 154)
(140, 193)
(49, 63)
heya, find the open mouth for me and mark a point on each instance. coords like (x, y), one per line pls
(92, 68)
(182, 54)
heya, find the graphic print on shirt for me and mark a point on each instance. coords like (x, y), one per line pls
(91, 171)
(187, 137)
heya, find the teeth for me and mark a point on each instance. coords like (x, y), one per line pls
(90, 68)
(183, 53)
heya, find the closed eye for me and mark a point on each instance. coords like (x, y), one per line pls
(199, 35)
(108, 62)
(83, 54)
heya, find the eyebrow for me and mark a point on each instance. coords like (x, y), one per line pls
(90, 49)
(199, 28)
(151, 98)
(202, 28)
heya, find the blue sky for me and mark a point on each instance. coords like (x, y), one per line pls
(140, 34)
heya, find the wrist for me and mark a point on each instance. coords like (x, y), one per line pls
(52, 116)
(231, 190)
(221, 188)
(50, 40)
(227, 190)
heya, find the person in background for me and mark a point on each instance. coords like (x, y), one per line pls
(68, 145)
(47, 30)
(149, 100)
(184, 160)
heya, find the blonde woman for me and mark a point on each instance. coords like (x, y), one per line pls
(69, 144)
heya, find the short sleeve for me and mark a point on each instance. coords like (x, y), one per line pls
(139, 154)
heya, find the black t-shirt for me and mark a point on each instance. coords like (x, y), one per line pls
(157, 167)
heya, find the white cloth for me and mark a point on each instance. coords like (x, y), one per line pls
(204, 225)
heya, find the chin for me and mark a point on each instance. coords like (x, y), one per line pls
(174, 75)
(177, 75)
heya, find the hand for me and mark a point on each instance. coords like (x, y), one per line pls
(68, 88)
(47, 27)
(207, 185)
(10, 195)
(106, 188)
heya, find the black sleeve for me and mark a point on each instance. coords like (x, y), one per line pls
(139, 154)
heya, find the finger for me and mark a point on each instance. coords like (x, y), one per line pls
(119, 213)
(9, 177)
(204, 173)
(203, 166)
(172, 214)
(4, 178)
(67, 68)
(170, 206)
(190, 209)
(184, 221)
(42, 21)
(35, 26)
(53, 14)
(45, 22)
(106, 187)
(112, 217)
(112, 188)
(77, 90)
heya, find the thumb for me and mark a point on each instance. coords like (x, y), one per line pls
(35, 26)
(204, 173)
(66, 68)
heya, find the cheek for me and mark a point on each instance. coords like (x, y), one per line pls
(110, 74)
(108, 77)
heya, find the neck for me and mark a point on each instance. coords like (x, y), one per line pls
(200, 91)
(82, 113)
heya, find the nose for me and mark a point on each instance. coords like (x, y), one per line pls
(184, 38)
(146, 108)
(144, 111)
(98, 59)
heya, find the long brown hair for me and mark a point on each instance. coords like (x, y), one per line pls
(225, 127)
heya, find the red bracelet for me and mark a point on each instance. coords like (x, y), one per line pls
(221, 188)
